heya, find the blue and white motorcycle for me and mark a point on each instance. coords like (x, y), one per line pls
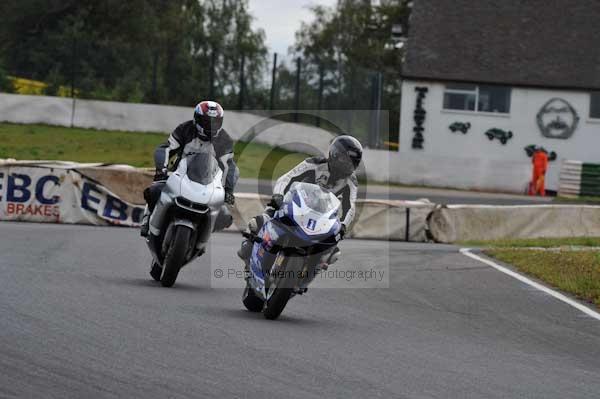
(291, 248)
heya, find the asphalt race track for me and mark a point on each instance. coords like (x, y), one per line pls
(80, 318)
(435, 195)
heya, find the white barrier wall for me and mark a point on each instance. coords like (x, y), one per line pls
(63, 192)
(377, 220)
(456, 223)
(473, 148)
(108, 115)
(66, 192)
(35, 109)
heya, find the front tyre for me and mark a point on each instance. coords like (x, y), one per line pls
(252, 302)
(175, 257)
(277, 302)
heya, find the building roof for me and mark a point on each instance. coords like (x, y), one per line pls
(540, 43)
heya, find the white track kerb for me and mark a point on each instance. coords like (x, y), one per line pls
(555, 294)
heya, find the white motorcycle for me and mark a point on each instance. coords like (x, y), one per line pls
(190, 207)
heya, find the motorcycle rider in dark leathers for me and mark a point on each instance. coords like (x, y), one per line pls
(203, 134)
(335, 173)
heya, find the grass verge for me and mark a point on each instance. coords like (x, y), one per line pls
(43, 142)
(584, 200)
(536, 242)
(575, 272)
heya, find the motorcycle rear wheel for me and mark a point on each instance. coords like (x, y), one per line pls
(252, 302)
(175, 257)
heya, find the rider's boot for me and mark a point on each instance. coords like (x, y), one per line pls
(145, 225)
(155, 271)
(245, 250)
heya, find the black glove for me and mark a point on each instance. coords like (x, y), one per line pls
(276, 201)
(229, 197)
(342, 231)
(161, 174)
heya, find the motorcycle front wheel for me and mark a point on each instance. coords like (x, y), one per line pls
(175, 257)
(277, 302)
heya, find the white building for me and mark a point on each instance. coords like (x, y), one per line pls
(485, 79)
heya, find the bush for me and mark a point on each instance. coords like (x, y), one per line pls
(6, 84)
(53, 80)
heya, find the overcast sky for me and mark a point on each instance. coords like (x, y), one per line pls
(280, 19)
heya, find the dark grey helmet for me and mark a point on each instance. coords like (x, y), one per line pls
(345, 154)
(208, 118)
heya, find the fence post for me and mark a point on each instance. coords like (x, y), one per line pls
(378, 110)
(297, 99)
(321, 84)
(73, 74)
(213, 61)
(155, 77)
(73, 57)
(241, 97)
(376, 88)
(273, 79)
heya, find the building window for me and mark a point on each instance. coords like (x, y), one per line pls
(467, 97)
(595, 105)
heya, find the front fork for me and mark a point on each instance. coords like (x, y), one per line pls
(300, 271)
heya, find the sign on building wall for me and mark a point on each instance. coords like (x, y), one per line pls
(419, 118)
(557, 119)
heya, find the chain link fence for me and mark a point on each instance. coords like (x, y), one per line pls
(295, 84)
(303, 89)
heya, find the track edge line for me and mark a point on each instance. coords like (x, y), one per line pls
(557, 295)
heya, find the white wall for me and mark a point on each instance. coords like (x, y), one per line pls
(441, 145)
(110, 115)
(443, 171)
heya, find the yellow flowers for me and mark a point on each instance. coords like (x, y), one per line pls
(36, 87)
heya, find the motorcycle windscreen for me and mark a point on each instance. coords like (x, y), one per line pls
(314, 197)
(202, 168)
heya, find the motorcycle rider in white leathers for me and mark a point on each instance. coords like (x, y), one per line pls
(336, 173)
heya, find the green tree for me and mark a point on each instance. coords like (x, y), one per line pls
(348, 45)
(5, 83)
(162, 51)
(229, 37)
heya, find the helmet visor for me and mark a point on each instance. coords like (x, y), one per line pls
(341, 164)
(209, 125)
